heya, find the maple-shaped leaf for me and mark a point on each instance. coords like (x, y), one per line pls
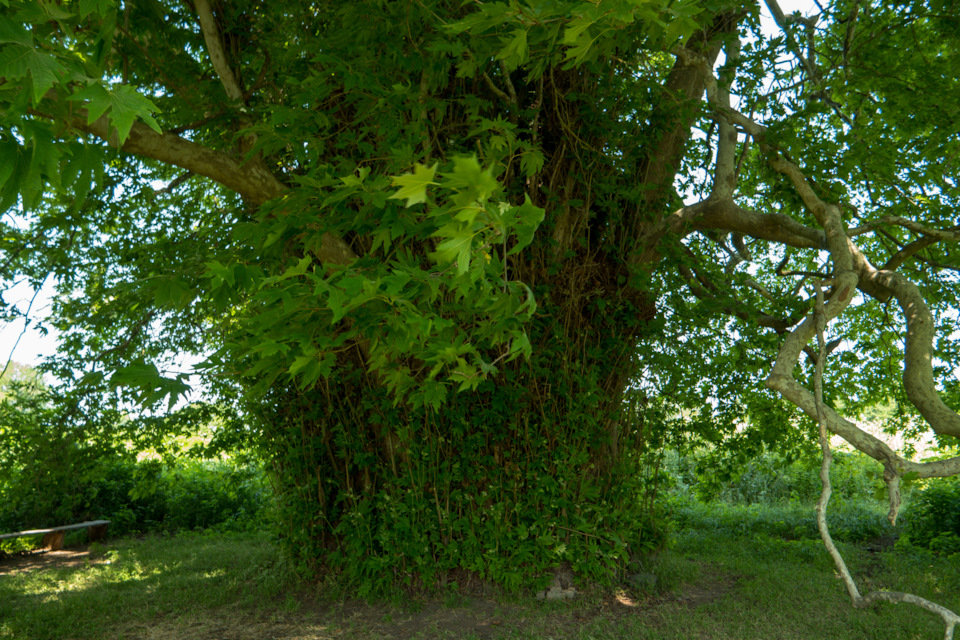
(17, 61)
(122, 105)
(413, 186)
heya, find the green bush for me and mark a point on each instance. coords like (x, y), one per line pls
(145, 496)
(67, 458)
(770, 478)
(849, 521)
(931, 518)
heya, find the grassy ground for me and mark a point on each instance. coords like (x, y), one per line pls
(715, 582)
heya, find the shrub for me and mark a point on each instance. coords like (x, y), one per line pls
(144, 496)
(770, 478)
(853, 521)
(67, 458)
(932, 516)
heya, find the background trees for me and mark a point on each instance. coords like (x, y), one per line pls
(453, 264)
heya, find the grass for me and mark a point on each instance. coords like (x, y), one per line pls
(717, 581)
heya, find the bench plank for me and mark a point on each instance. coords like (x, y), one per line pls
(68, 527)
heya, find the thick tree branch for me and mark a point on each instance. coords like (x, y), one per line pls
(250, 179)
(725, 173)
(727, 215)
(677, 108)
(918, 378)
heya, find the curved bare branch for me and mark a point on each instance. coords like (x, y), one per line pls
(950, 618)
(880, 284)
(918, 378)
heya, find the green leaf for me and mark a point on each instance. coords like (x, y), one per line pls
(10, 150)
(414, 185)
(523, 221)
(531, 162)
(12, 32)
(457, 249)
(100, 7)
(17, 61)
(571, 35)
(515, 53)
(142, 375)
(471, 183)
(122, 105)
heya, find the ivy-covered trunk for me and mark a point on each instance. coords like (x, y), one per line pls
(537, 467)
(444, 389)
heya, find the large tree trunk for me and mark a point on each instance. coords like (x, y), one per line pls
(534, 469)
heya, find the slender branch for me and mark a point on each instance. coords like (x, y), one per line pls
(849, 35)
(952, 234)
(176, 182)
(907, 252)
(510, 87)
(808, 64)
(211, 36)
(950, 618)
(500, 93)
(703, 288)
(131, 336)
(26, 326)
(820, 315)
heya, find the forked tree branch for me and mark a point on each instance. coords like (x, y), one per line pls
(854, 270)
(950, 618)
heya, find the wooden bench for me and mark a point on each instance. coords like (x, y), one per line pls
(53, 537)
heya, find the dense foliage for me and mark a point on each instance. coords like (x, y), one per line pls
(460, 270)
(64, 461)
(932, 517)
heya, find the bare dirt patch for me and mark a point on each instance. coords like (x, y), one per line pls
(477, 618)
(345, 621)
